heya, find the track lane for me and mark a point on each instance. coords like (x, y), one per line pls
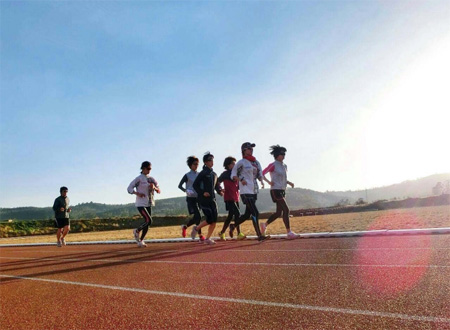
(335, 287)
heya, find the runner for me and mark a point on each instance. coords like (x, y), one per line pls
(247, 171)
(144, 187)
(278, 183)
(62, 210)
(205, 184)
(191, 195)
(231, 198)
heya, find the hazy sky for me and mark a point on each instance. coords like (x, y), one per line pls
(357, 91)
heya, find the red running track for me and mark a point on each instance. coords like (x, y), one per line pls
(393, 282)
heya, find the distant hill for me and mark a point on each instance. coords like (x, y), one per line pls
(422, 187)
(297, 198)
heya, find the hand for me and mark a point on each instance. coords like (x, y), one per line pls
(206, 194)
(244, 183)
(69, 209)
(140, 194)
(262, 185)
(271, 183)
(235, 178)
(62, 209)
(221, 193)
(158, 190)
(291, 184)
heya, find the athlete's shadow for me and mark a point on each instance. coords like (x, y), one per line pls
(127, 257)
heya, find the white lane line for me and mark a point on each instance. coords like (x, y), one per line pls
(154, 252)
(343, 249)
(246, 301)
(218, 263)
(246, 250)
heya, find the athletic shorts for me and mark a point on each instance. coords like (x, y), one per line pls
(277, 194)
(210, 211)
(230, 205)
(246, 197)
(62, 222)
(192, 205)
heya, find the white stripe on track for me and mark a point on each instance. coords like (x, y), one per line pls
(218, 263)
(343, 249)
(245, 250)
(247, 301)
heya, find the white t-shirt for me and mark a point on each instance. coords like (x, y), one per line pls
(142, 185)
(250, 172)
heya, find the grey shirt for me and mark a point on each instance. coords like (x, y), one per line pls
(189, 179)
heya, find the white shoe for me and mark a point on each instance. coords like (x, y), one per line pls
(136, 235)
(58, 244)
(263, 227)
(142, 244)
(209, 241)
(194, 232)
(63, 242)
(291, 235)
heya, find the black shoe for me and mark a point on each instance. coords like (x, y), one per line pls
(231, 230)
(263, 238)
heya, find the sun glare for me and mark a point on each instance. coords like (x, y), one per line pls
(409, 124)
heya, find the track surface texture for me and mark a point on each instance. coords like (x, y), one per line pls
(392, 282)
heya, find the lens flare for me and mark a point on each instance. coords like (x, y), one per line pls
(405, 258)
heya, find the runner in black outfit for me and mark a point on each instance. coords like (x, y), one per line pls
(205, 184)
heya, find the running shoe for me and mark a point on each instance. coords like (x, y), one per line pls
(63, 242)
(136, 235)
(183, 230)
(202, 238)
(291, 235)
(58, 244)
(263, 227)
(209, 241)
(241, 236)
(263, 238)
(143, 244)
(232, 230)
(222, 237)
(194, 232)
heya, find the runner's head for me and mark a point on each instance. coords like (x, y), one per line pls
(278, 152)
(228, 162)
(192, 162)
(247, 148)
(208, 159)
(146, 167)
(63, 191)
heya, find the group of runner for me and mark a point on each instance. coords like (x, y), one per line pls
(239, 179)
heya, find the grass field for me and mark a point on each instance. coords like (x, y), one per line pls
(424, 217)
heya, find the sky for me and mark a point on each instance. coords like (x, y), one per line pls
(357, 91)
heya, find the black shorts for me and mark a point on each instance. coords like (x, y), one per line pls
(210, 211)
(62, 222)
(246, 197)
(231, 205)
(192, 205)
(277, 194)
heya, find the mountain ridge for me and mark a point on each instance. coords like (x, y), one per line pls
(297, 198)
